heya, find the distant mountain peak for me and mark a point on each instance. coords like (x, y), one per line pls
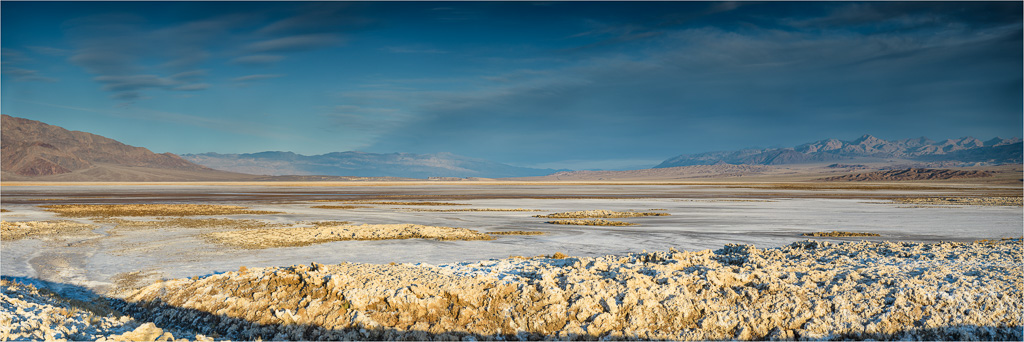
(868, 140)
(965, 149)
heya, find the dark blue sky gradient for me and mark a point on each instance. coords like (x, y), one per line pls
(556, 84)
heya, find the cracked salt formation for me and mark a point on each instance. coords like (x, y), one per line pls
(16, 230)
(31, 314)
(591, 222)
(118, 210)
(304, 236)
(806, 290)
(836, 233)
(984, 201)
(600, 214)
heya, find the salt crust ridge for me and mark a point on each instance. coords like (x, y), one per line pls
(807, 290)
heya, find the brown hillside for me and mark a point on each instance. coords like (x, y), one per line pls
(668, 173)
(34, 150)
(908, 175)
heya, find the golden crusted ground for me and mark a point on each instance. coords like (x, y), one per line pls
(339, 206)
(838, 234)
(119, 210)
(304, 236)
(600, 214)
(181, 222)
(986, 201)
(516, 232)
(591, 222)
(11, 231)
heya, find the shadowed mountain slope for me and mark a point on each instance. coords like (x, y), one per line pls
(32, 150)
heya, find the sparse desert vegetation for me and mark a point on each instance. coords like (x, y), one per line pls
(600, 214)
(837, 233)
(986, 201)
(121, 210)
(17, 230)
(304, 236)
(591, 222)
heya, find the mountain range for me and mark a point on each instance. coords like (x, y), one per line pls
(966, 150)
(362, 164)
(31, 149)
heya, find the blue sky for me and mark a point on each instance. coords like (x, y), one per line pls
(576, 85)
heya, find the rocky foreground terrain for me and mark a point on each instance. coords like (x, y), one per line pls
(806, 290)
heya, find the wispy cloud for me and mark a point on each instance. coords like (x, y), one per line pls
(294, 43)
(257, 77)
(189, 76)
(322, 17)
(15, 64)
(251, 128)
(257, 60)
(121, 50)
(690, 82)
(192, 87)
(49, 51)
(26, 75)
(129, 87)
(413, 49)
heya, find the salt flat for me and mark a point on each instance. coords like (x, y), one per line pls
(741, 216)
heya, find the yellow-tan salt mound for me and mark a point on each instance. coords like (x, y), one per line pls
(304, 236)
(10, 231)
(181, 222)
(591, 222)
(115, 210)
(600, 214)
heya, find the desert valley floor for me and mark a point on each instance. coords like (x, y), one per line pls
(449, 234)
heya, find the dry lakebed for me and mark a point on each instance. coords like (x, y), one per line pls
(480, 262)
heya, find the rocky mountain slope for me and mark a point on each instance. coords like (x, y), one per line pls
(965, 150)
(909, 174)
(362, 164)
(34, 150)
(662, 174)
